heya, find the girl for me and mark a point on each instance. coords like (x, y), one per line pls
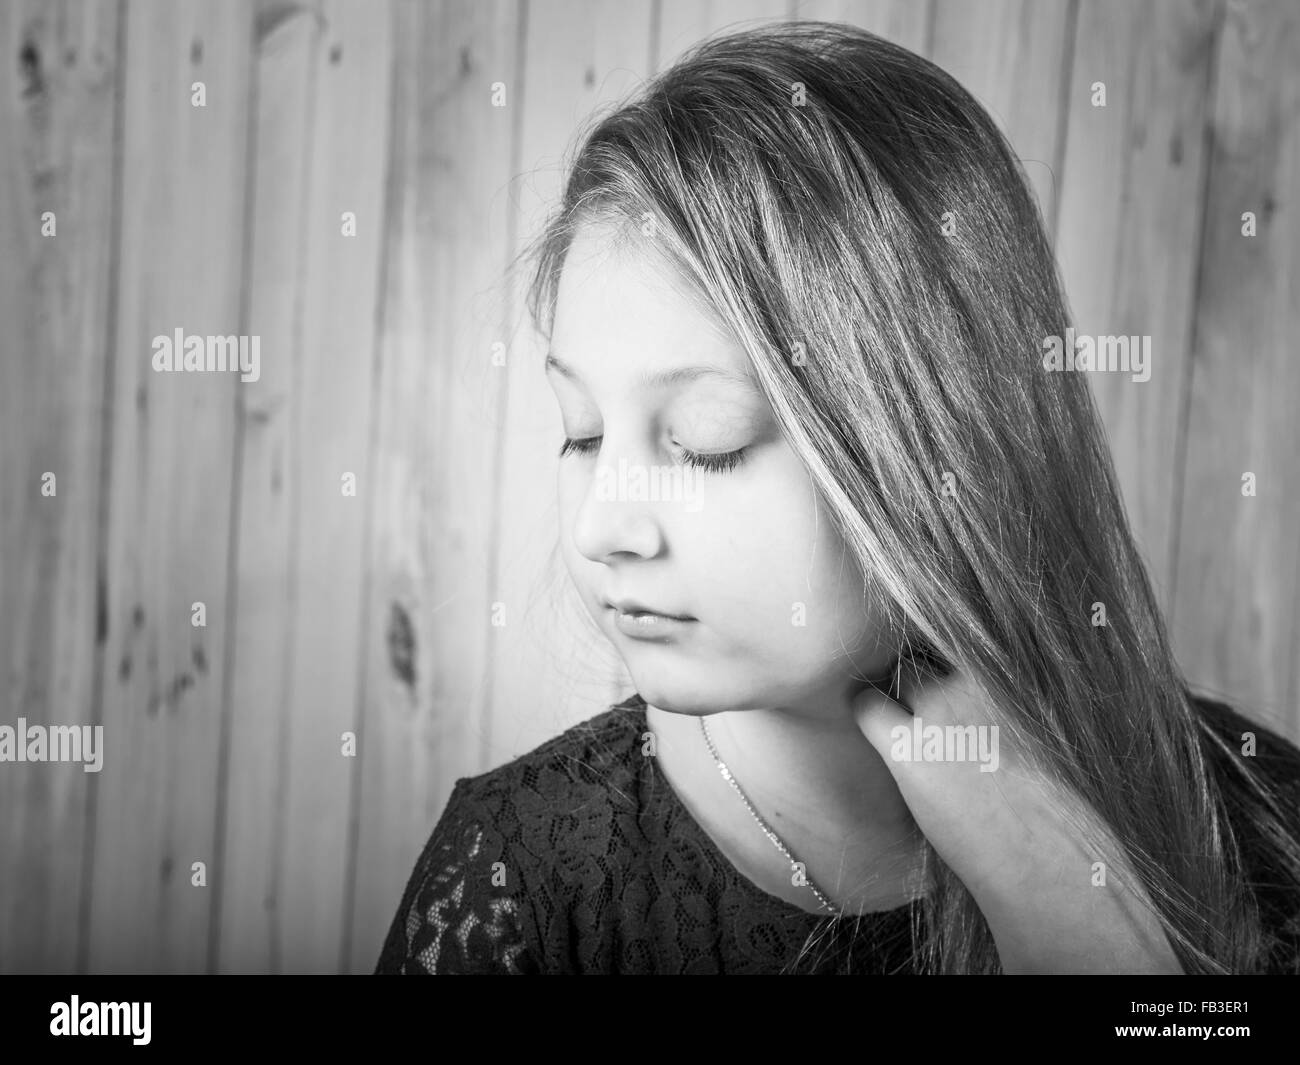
(878, 725)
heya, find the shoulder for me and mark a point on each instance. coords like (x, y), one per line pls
(485, 887)
(595, 761)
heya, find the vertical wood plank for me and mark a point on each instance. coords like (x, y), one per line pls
(1130, 223)
(437, 437)
(1236, 617)
(58, 116)
(288, 47)
(331, 437)
(180, 263)
(997, 49)
(551, 667)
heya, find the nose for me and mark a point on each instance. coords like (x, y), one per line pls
(611, 523)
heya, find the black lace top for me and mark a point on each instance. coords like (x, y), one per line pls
(579, 857)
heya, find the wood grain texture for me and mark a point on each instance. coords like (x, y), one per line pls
(1132, 198)
(288, 45)
(449, 230)
(1236, 627)
(58, 117)
(179, 265)
(338, 295)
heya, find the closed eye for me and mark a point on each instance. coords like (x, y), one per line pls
(712, 462)
(580, 447)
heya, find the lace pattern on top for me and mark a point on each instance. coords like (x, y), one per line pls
(454, 922)
(578, 857)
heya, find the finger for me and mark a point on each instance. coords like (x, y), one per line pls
(926, 738)
(877, 715)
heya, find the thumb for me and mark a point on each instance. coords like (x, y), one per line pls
(877, 715)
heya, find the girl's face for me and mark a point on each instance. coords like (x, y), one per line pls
(682, 497)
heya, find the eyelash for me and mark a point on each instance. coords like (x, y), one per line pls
(718, 463)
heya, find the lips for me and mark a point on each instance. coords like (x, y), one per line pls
(632, 608)
(636, 621)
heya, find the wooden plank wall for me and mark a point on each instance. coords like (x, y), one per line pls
(427, 618)
(1236, 611)
(178, 264)
(59, 117)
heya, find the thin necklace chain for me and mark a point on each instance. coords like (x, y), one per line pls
(767, 829)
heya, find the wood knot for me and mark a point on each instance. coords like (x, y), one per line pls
(29, 65)
(401, 644)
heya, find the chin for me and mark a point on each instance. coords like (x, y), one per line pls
(670, 698)
(685, 699)
(682, 709)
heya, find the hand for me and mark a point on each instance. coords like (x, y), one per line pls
(1022, 844)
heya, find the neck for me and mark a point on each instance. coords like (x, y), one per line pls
(813, 777)
(810, 766)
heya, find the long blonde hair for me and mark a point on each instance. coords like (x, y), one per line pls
(901, 347)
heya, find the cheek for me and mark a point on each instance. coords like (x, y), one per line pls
(774, 572)
(760, 564)
(785, 581)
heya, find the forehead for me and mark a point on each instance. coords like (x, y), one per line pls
(622, 308)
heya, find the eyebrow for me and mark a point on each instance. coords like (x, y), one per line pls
(662, 378)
